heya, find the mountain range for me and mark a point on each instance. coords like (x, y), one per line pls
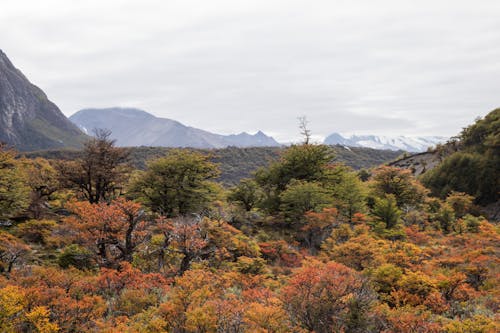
(28, 119)
(407, 143)
(134, 127)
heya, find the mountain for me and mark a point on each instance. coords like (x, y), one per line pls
(411, 144)
(28, 120)
(133, 127)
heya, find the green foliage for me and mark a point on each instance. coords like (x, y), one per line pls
(76, 256)
(417, 283)
(474, 169)
(476, 324)
(35, 231)
(471, 173)
(14, 192)
(305, 163)
(399, 183)
(460, 202)
(246, 193)
(248, 265)
(301, 197)
(349, 194)
(472, 223)
(387, 211)
(236, 163)
(446, 218)
(484, 133)
(301, 162)
(385, 278)
(177, 184)
(43, 180)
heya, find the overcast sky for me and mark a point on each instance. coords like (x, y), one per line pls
(382, 67)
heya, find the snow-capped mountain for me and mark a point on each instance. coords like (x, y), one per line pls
(407, 143)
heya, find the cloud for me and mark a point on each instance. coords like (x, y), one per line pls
(384, 67)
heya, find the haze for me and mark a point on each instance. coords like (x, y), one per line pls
(378, 67)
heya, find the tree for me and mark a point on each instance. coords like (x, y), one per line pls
(177, 184)
(386, 211)
(400, 183)
(298, 162)
(328, 298)
(301, 197)
(317, 226)
(43, 179)
(35, 231)
(112, 231)
(99, 174)
(460, 202)
(446, 218)
(474, 168)
(304, 130)
(14, 192)
(185, 237)
(12, 250)
(12, 303)
(385, 279)
(348, 193)
(246, 193)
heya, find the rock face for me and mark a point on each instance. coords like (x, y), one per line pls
(410, 144)
(419, 163)
(133, 127)
(28, 120)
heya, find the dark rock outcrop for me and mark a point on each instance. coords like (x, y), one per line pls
(28, 120)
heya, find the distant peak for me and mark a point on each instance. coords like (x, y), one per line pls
(123, 111)
(260, 133)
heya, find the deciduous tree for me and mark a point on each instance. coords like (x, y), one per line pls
(100, 173)
(328, 298)
(112, 231)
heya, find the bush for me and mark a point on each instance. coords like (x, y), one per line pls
(76, 256)
(35, 231)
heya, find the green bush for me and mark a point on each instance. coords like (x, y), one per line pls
(76, 256)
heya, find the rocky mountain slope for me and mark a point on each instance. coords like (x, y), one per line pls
(410, 144)
(133, 127)
(28, 120)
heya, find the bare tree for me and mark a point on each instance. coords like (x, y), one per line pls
(304, 130)
(101, 170)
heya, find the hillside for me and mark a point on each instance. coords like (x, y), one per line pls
(28, 119)
(471, 164)
(305, 245)
(237, 163)
(133, 128)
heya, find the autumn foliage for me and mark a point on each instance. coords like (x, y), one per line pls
(306, 246)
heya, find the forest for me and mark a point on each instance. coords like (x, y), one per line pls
(305, 243)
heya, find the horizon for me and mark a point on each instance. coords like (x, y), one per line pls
(391, 69)
(315, 138)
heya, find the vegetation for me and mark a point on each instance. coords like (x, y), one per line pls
(235, 163)
(305, 245)
(99, 173)
(176, 184)
(474, 167)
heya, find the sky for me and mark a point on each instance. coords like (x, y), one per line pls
(385, 67)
